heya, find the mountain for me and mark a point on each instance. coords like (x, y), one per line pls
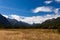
(18, 24)
(51, 23)
(12, 23)
(3, 21)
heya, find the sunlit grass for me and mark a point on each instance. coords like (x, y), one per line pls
(29, 34)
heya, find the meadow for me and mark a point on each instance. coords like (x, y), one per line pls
(29, 34)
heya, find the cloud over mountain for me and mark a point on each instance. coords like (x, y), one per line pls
(33, 19)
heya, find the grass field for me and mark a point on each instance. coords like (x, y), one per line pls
(29, 34)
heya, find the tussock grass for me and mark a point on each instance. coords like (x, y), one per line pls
(29, 34)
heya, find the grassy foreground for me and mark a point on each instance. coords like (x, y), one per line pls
(29, 34)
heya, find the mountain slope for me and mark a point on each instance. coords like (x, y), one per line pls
(18, 24)
(3, 21)
(12, 23)
(51, 23)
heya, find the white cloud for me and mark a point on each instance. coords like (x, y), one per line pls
(5, 16)
(47, 2)
(15, 17)
(57, 0)
(42, 9)
(33, 19)
(57, 11)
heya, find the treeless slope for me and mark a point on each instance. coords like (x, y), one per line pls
(29, 34)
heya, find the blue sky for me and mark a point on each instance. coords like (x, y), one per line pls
(25, 7)
(30, 8)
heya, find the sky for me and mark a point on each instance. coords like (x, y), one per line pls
(30, 11)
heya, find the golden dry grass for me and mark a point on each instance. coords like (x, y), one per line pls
(29, 34)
